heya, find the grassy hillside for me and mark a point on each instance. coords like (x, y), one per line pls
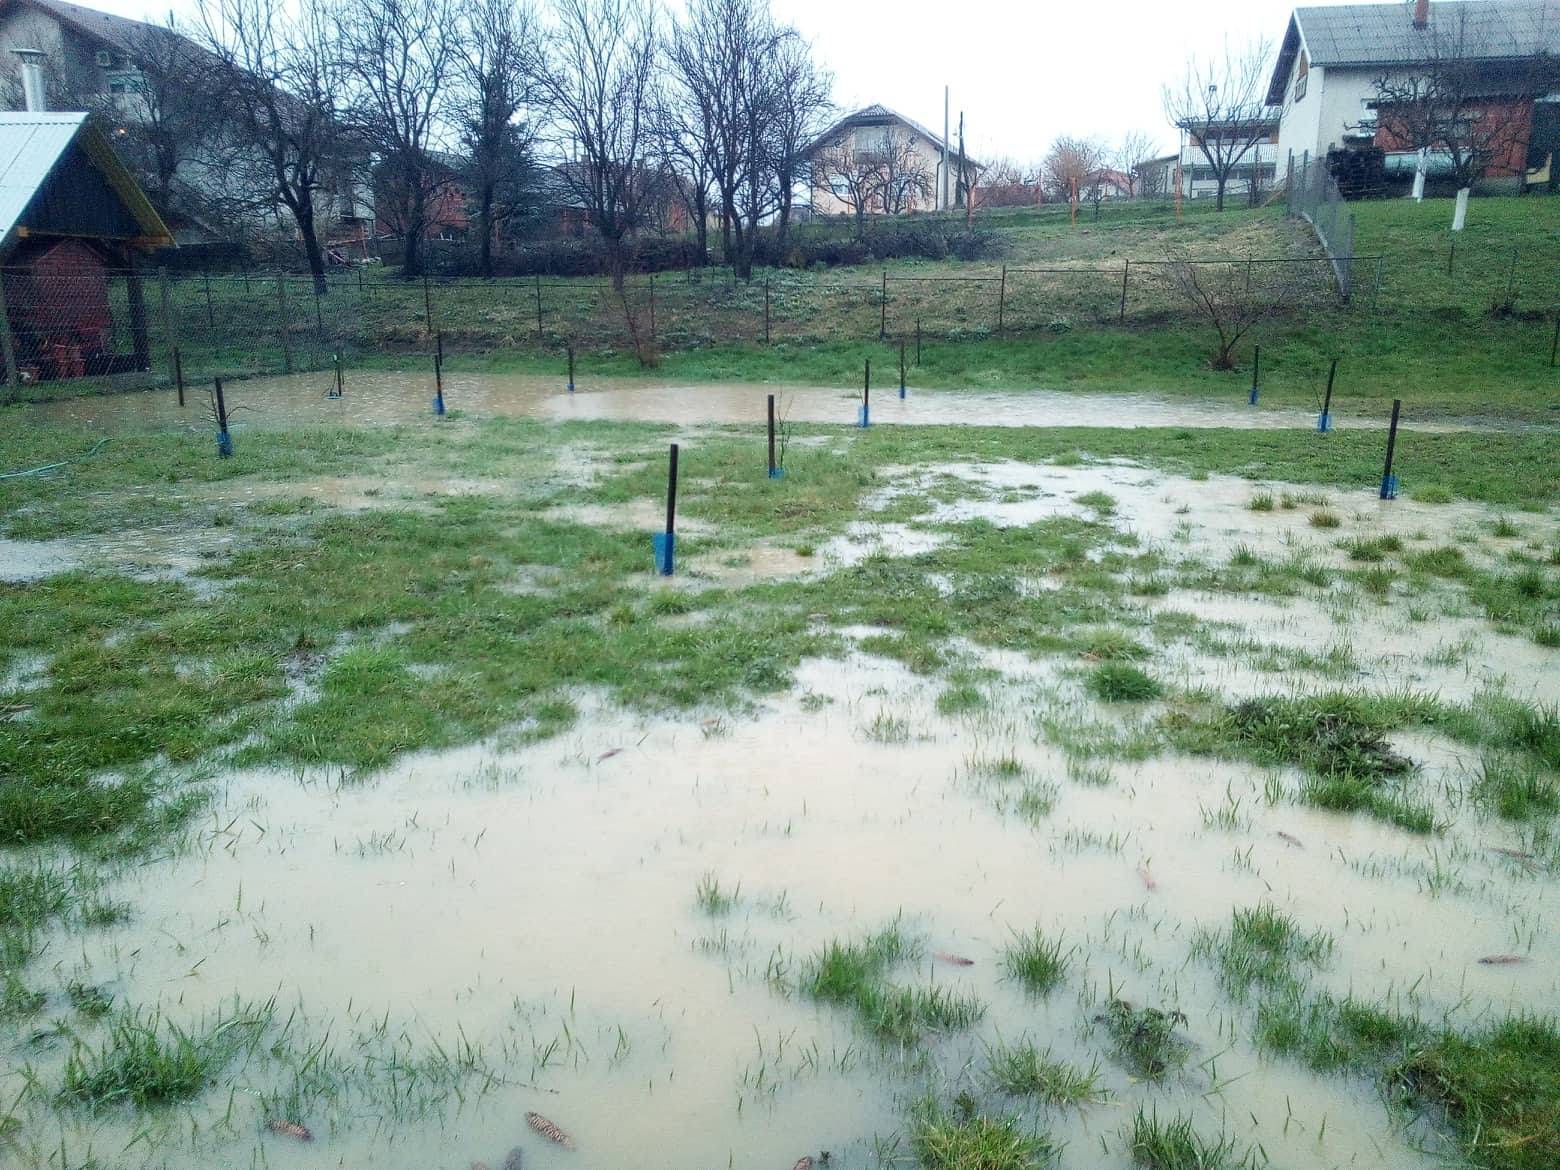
(1464, 334)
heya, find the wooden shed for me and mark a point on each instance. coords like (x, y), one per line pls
(73, 222)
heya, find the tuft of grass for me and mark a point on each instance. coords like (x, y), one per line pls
(1121, 682)
(1505, 528)
(1038, 962)
(1175, 1145)
(1324, 518)
(1434, 493)
(1262, 945)
(886, 728)
(1329, 1034)
(1515, 789)
(1102, 502)
(713, 900)
(855, 975)
(965, 1139)
(1261, 502)
(146, 1062)
(1146, 1039)
(1113, 646)
(1022, 1070)
(1500, 1087)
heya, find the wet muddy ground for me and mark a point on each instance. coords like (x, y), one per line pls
(612, 926)
(378, 397)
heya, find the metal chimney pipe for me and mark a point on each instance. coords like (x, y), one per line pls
(32, 79)
(1422, 14)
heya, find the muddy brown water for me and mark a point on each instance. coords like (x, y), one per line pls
(538, 902)
(522, 897)
(396, 397)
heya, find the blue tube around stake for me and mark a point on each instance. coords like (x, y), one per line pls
(1256, 375)
(1324, 422)
(864, 415)
(224, 445)
(665, 544)
(1389, 487)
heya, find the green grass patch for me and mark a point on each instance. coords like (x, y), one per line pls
(1262, 945)
(1037, 962)
(1175, 1145)
(1024, 1070)
(964, 1138)
(1147, 1040)
(1121, 682)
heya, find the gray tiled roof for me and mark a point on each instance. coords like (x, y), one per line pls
(1383, 34)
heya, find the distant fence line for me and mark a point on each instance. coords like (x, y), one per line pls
(113, 330)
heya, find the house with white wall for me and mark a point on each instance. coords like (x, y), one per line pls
(1332, 58)
(885, 160)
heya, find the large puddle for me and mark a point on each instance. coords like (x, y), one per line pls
(382, 398)
(480, 933)
(539, 906)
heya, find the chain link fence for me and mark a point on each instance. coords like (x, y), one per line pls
(89, 330)
(1314, 196)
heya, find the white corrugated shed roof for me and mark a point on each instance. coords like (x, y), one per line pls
(30, 145)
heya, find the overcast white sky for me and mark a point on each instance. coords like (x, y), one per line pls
(1023, 71)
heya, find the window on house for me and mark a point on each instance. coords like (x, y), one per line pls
(126, 83)
(1302, 75)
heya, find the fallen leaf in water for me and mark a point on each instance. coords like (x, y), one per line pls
(1148, 879)
(1516, 854)
(548, 1130)
(805, 1162)
(289, 1129)
(956, 960)
(608, 754)
(1290, 839)
(1502, 960)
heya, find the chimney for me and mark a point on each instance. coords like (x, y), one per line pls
(1421, 14)
(32, 79)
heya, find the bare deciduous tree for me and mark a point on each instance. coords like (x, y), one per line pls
(1220, 103)
(901, 177)
(279, 86)
(495, 64)
(801, 95)
(398, 56)
(1442, 101)
(852, 176)
(1069, 164)
(1224, 294)
(598, 81)
(1134, 149)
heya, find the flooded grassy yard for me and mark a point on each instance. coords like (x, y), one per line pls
(1143, 794)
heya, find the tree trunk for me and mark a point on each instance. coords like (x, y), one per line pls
(784, 232)
(1219, 202)
(701, 227)
(411, 253)
(485, 225)
(304, 214)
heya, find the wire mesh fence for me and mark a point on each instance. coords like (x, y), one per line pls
(1315, 197)
(90, 330)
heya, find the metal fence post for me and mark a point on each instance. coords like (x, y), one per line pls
(13, 375)
(281, 317)
(883, 309)
(170, 334)
(1002, 302)
(766, 310)
(427, 303)
(538, 306)
(652, 306)
(1126, 271)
